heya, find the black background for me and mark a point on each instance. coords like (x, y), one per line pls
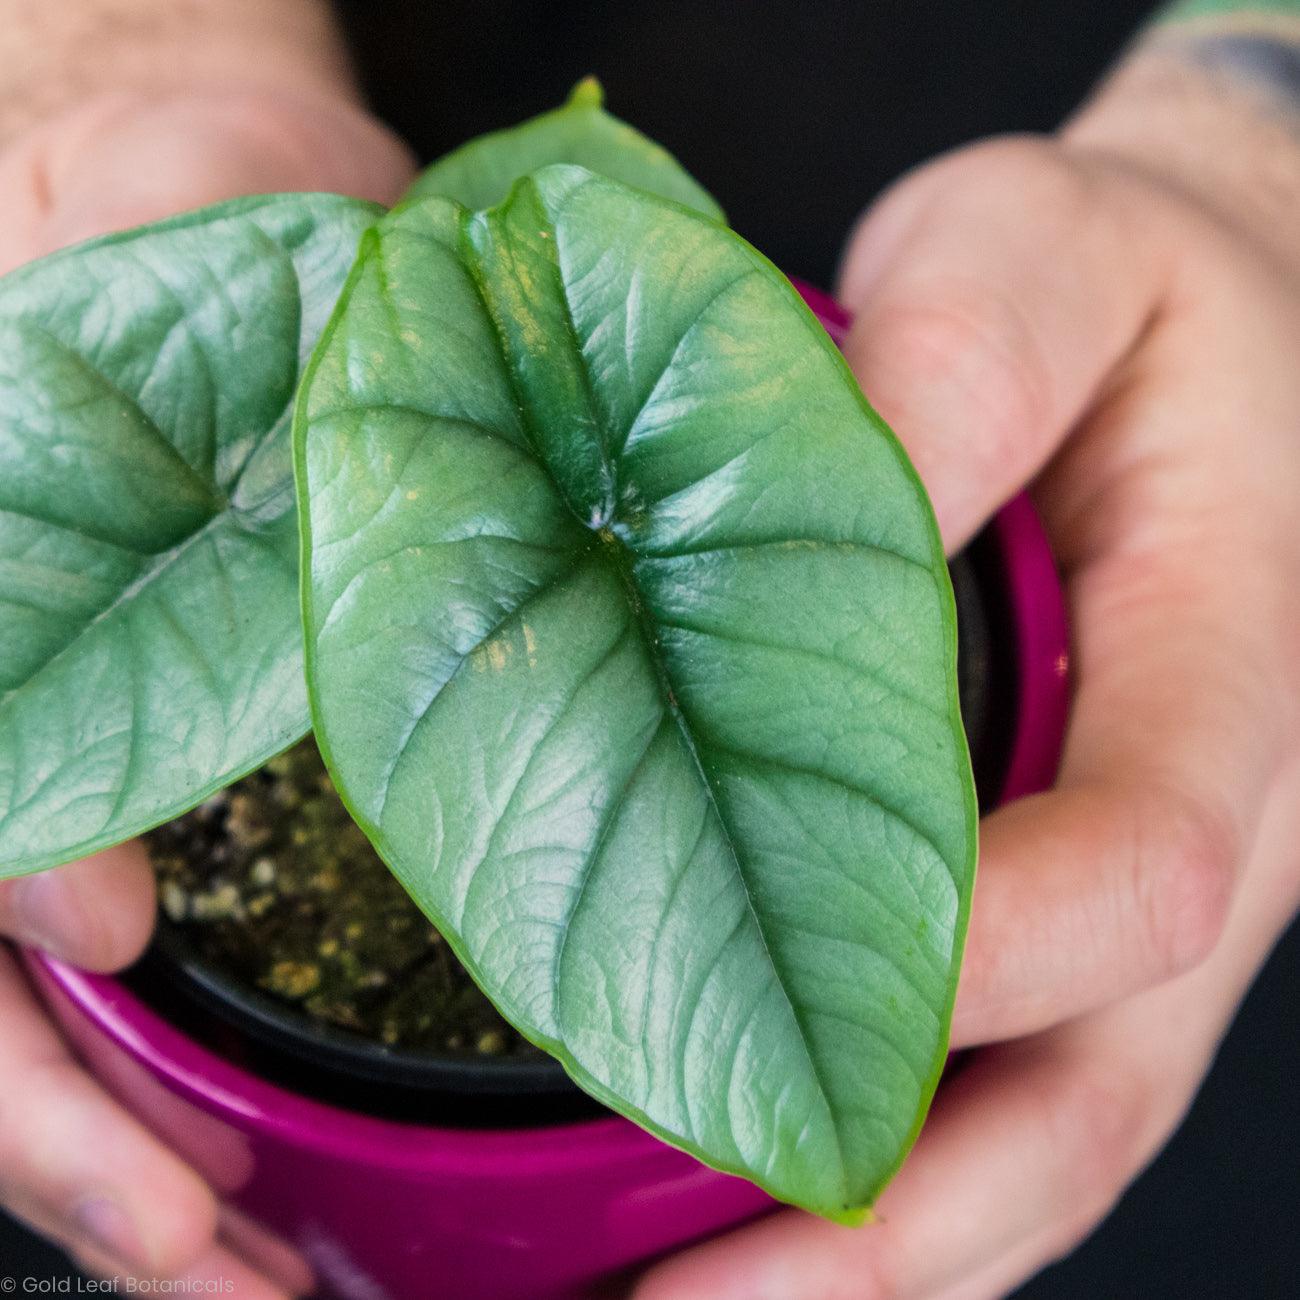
(794, 115)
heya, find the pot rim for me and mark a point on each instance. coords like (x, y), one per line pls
(1038, 620)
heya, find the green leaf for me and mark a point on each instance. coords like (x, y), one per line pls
(631, 645)
(480, 173)
(150, 646)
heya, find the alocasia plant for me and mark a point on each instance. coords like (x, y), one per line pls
(629, 637)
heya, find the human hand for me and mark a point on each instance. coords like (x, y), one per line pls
(1118, 321)
(73, 1164)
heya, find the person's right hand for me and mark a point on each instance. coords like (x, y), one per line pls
(73, 1164)
(1114, 317)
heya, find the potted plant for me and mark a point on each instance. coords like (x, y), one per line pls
(623, 628)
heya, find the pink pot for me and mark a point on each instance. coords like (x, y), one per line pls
(396, 1211)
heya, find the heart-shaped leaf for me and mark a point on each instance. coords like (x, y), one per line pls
(150, 646)
(631, 645)
(480, 173)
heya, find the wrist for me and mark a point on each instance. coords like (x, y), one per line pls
(66, 54)
(1210, 106)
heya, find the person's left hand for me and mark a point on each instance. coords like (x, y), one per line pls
(73, 1163)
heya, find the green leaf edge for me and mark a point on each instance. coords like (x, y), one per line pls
(195, 217)
(588, 94)
(848, 1216)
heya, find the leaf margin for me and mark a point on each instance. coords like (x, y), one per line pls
(849, 1216)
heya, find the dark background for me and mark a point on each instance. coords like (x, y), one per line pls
(794, 114)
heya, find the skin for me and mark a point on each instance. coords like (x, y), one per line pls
(1112, 314)
(114, 114)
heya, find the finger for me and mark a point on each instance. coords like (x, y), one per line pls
(219, 1272)
(1003, 1276)
(97, 913)
(269, 1254)
(224, 1272)
(207, 147)
(74, 1162)
(1090, 893)
(1123, 875)
(994, 291)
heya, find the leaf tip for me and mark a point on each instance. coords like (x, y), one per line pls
(588, 93)
(856, 1216)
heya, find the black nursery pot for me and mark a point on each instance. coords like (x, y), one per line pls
(276, 1040)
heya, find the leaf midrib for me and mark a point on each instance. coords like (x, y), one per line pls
(158, 565)
(620, 557)
(156, 562)
(217, 500)
(470, 259)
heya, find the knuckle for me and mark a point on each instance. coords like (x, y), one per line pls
(1033, 172)
(960, 333)
(1185, 865)
(1107, 1119)
(966, 329)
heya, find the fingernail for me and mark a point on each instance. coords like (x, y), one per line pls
(110, 1228)
(44, 914)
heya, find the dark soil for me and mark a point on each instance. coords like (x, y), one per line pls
(273, 882)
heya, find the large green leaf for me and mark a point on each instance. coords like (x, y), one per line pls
(150, 648)
(480, 173)
(631, 645)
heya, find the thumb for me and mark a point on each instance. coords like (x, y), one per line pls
(994, 292)
(97, 913)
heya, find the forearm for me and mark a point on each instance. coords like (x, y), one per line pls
(62, 52)
(1208, 100)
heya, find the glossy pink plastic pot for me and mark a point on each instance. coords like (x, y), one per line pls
(397, 1211)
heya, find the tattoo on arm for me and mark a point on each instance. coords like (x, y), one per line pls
(1254, 46)
(1269, 63)
(1182, 10)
